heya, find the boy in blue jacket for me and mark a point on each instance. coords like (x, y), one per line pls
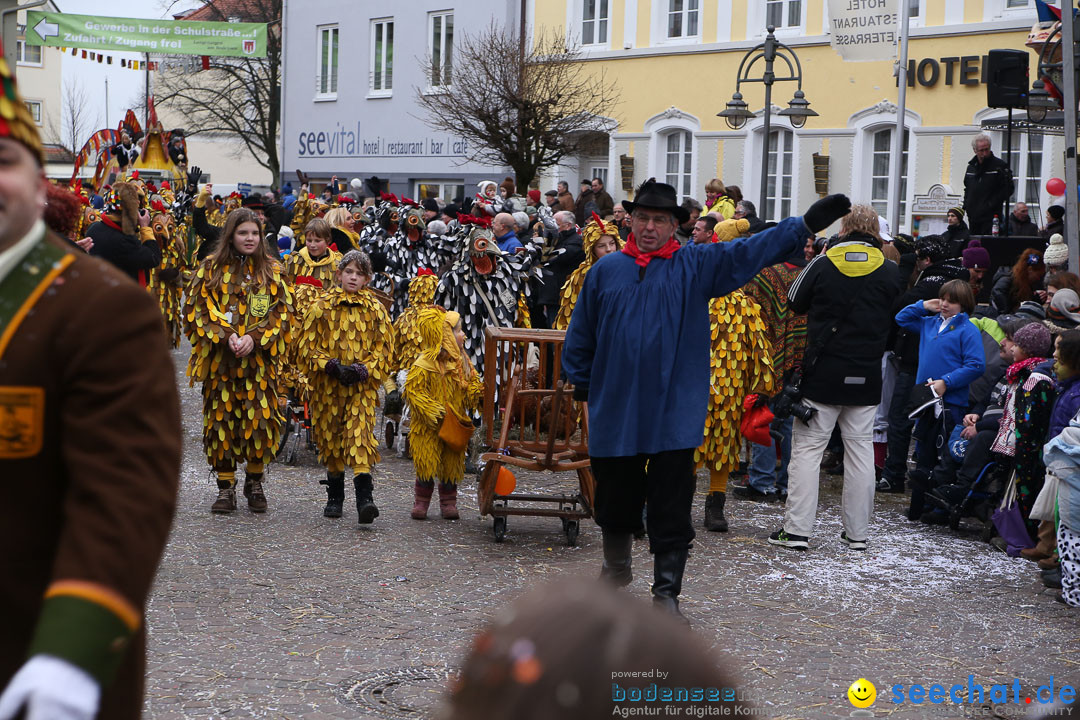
(950, 358)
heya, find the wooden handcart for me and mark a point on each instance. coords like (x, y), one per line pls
(542, 429)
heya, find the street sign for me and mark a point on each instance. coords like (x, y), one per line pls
(243, 188)
(169, 37)
(865, 30)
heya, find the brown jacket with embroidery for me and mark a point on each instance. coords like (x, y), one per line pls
(89, 465)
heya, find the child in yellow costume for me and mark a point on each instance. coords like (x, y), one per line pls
(740, 366)
(310, 272)
(346, 348)
(237, 312)
(407, 349)
(597, 240)
(441, 380)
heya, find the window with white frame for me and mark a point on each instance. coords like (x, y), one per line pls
(880, 175)
(382, 57)
(327, 76)
(783, 13)
(441, 48)
(678, 162)
(595, 19)
(445, 190)
(34, 106)
(1027, 164)
(683, 18)
(1017, 4)
(599, 171)
(27, 54)
(778, 178)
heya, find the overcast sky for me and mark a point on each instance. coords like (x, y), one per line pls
(124, 85)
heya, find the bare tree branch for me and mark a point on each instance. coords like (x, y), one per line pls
(76, 121)
(526, 109)
(236, 97)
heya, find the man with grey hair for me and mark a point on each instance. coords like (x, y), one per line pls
(558, 268)
(685, 231)
(745, 210)
(988, 183)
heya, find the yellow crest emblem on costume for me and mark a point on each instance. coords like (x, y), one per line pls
(22, 420)
(260, 305)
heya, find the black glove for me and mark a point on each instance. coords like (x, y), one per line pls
(826, 211)
(333, 368)
(193, 179)
(348, 375)
(393, 404)
(361, 372)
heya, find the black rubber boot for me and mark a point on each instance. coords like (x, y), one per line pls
(668, 570)
(366, 512)
(335, 494)
(617, 558)
(714, 512)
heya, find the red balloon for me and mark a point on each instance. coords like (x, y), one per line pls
(1055, 186)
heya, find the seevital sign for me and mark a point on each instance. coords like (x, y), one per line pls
(172, 37)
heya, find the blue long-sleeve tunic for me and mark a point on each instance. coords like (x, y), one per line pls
(638, 348)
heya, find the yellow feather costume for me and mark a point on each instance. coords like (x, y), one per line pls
(170, 293)
(740, 365)
(441, 378)
(407, 326)
(324, 269)
(572, 287)
(352, 328)
(241, 421)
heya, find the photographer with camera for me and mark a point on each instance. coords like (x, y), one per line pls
(847, 293)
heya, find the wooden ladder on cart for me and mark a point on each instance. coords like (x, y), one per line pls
(549, 436)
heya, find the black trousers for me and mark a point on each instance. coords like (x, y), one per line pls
(899, 427)
(665, 481)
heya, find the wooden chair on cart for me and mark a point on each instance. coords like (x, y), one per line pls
(541, 429)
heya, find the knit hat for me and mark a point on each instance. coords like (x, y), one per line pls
(976, 256)
(957, 211)
(1033, 339)
(933, 247)
(522, 219)
(1057, 252)
(1065, 306)
(534, 195)
(431, 205)
(15, 120)
(1031, 309)
(509, 186)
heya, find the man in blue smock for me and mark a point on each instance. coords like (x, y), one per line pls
(637, 350)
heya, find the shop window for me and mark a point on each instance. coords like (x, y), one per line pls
(382, 57)
(678, 162)
(683, 18)
(783, 13)
(880, 175)
(1027, 166)
(441, 48)
(327, 75)
(34, 106)
(778, 179)
(594, 22)
(445, 190)
(27, 54)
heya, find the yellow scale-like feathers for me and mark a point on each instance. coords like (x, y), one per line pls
(232, 387)
(740, 366)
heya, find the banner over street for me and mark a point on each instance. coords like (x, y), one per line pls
(864, 30)
(173, 37)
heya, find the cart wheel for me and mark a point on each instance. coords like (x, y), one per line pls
(390, 433)
(499, 526)
(954, 520)
(572, 528)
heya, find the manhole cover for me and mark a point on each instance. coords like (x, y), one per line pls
(411, 692)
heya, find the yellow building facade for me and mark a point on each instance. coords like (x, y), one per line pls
(675, 64)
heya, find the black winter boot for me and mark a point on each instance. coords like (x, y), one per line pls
(668, 570)
(714, 512)
(365, 505)
(617, 558)
(335, 494)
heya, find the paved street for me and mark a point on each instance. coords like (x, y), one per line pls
(291, 615)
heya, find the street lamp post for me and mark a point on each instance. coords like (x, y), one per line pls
(736, 112)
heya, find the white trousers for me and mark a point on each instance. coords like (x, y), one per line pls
(804, 473)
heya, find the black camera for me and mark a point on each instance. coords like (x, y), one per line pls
(789, 401)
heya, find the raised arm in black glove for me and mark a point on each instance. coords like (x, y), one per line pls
(826, 211)
(194, 173)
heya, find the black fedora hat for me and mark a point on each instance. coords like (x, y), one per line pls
(657, 196)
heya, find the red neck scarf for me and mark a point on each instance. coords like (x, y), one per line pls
(1012, 374)
(644, 258)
